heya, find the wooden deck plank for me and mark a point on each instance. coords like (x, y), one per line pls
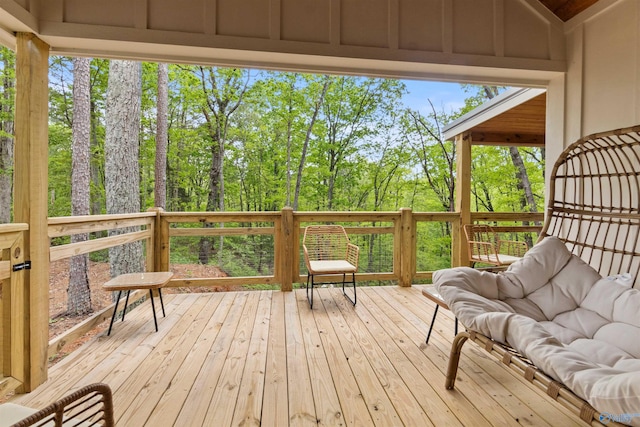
(196, 404)
(156, 374)
(469, 375)
(325, 397)
(380, 406)
(266, 358)
(532, 398)
(354, 407)
(468, 401)
(174, 396)
(300, 395)
(92, 362)
(395, 384)
(225, 396)
(275, 407)
(409, 361)
(249, 403)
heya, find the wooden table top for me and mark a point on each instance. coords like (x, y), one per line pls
(131, 281)
(431, 293)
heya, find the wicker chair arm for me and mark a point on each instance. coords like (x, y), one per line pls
(92, 404)
(353, 254)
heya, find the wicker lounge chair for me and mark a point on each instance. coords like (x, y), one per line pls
(328, 251)
(594, 216)
(89, 406)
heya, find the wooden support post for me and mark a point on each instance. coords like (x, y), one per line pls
(286, 249)
(30, 196)
(459, 254)
(407, 247)
(160, 246)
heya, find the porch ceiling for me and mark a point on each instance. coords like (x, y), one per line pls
(516, 117)
(517, 43)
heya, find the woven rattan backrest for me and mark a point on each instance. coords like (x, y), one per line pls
(480, 233)
(325, 242)
(594, 203)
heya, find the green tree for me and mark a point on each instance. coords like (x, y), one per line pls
(122, 181)
(7, 104)
(79, 293)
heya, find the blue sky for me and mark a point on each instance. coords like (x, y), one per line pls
(443, 95)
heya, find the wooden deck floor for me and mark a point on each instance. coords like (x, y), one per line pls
(250, 358)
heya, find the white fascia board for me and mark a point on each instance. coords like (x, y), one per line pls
(498, 105)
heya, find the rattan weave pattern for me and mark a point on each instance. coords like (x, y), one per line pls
(594, 204)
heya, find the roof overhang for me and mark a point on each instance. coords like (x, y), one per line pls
(515, 117)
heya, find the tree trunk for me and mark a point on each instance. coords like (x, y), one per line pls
(523, 180)
(160, 190)
(289, 138)
(121, 158)
(7, 102)
(79, 293)
(305, 146)
(224, 90)
(524, 184)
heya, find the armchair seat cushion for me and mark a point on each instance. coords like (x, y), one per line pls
(10, 413)
(501, 259)
(331, 266)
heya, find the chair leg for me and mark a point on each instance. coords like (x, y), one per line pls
(153, 308)
(115, 310)
(454, 359)
(310, 299)
(433, 320)
(355, 294)
(353, 280)
(456, 331)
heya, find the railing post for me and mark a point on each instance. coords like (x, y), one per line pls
(160, 242)
(285, 249)
(407, 247)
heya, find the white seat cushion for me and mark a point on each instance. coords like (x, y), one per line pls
(555, 309)
(328, 267)
(10, 413)
(500, 259)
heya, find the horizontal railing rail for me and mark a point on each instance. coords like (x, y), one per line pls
(62, 227)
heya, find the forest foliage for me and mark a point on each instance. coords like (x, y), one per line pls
(366, 150)
(252, 140)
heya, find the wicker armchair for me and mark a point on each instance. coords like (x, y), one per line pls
(89, 406)
(486, 247)
(328, 251)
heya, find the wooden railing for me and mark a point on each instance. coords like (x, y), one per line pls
(68, 226)
(286, 228)
(13, 299)
(157, 228)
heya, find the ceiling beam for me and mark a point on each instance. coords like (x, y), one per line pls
(507, 139)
